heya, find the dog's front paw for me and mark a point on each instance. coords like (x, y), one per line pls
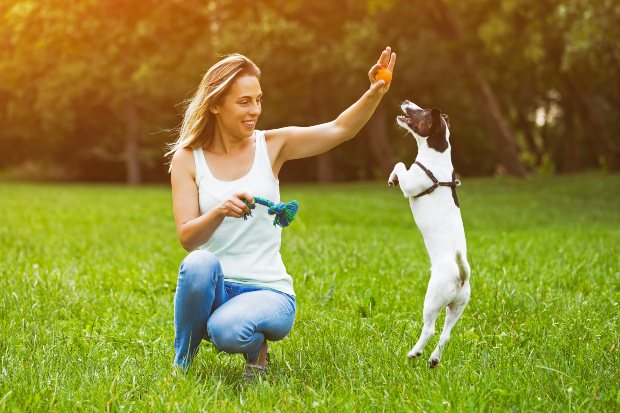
(414, 353)
(393, 181)
(398, 168)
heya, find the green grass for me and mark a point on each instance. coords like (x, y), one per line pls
(87, 277)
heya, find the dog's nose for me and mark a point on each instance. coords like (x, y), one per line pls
(406, 102)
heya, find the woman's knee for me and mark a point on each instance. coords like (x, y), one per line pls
(200, 269)
(233, 335)
(279, 327)
(227, 336)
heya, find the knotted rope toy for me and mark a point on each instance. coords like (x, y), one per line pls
(284, 213)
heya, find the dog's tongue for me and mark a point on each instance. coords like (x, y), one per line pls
(404, 119)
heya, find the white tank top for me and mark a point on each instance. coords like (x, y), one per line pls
(249, 251)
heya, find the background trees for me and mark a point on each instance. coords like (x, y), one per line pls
(91, 89)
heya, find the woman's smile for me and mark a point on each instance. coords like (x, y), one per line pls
(249, 123)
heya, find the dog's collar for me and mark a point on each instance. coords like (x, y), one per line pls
(436, 184)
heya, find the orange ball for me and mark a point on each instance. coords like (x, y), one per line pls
(385, 75)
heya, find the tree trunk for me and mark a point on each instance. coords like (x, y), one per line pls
(570, 140)
(379, 143)
(597, 131)
(367, 156)
(325, 167)
(544, 130)
(132, 137)
(482, 94)
(496, 124)
(529, 136)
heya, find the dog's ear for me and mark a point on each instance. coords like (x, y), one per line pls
(435, 125)
(445, 117)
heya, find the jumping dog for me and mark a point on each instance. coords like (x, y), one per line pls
(430, 184)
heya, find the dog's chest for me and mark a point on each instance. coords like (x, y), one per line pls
(438, 219)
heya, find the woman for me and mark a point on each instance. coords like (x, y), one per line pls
(234, 290)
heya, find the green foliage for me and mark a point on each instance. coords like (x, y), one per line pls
(87, 279)
(68, 67)
(591, 37)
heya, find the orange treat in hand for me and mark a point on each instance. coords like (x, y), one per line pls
(385, 75)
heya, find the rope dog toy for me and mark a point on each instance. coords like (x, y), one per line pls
(284, 213)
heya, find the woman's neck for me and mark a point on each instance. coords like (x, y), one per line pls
(226, 143)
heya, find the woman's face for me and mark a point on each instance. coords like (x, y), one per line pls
(240, 110)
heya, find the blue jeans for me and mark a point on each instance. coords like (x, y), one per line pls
(236, 318)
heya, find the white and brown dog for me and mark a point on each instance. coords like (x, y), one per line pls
(430, 186)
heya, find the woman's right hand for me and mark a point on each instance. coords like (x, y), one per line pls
(193, 228)
(234, 207)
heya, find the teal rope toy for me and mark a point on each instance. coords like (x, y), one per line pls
(284, 213)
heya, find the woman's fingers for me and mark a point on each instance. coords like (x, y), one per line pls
(380, 61)
(392, 62)
(373, 72)
(234, 210)
(246, 196)
(378, 85)
(238, 198)
(385, 57)
(234, 205)
(242, 206)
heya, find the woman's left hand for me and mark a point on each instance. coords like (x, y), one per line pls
(386, 61)
(301, 142)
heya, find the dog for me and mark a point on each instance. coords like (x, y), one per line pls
(430, 184)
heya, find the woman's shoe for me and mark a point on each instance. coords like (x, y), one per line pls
(252, 371)
(255, 370)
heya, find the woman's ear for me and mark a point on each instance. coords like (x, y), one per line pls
(214, 111)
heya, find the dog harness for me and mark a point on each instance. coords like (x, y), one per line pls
(436, 184)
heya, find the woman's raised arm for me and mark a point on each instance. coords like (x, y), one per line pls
(302, 142)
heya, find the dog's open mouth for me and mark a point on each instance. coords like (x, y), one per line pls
(405, 119)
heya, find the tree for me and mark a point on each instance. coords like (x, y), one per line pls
(97, 53)
(481, 91)
(96, 85)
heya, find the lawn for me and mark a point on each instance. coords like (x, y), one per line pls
(88, 273)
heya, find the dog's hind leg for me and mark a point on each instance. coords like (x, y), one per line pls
(453, 313)
(433, 304)
(430, 315)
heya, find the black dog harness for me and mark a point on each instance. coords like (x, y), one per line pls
(437, 184)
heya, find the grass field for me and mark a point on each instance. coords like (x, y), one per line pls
(87, 278)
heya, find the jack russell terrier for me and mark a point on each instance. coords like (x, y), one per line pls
(430, 185)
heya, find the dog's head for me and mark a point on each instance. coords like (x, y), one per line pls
(426, 124)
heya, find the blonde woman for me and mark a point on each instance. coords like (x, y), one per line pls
(233, 289)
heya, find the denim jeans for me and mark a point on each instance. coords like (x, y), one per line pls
(236, 318)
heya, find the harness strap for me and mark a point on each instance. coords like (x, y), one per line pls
(436, 183)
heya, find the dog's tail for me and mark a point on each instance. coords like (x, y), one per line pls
(463, 265)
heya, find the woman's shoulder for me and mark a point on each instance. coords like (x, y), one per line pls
(276, 134)
(183, 162)
(275, 138)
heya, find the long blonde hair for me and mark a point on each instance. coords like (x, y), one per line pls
(198, 124)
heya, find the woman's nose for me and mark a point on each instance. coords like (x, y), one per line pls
(255, 109)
